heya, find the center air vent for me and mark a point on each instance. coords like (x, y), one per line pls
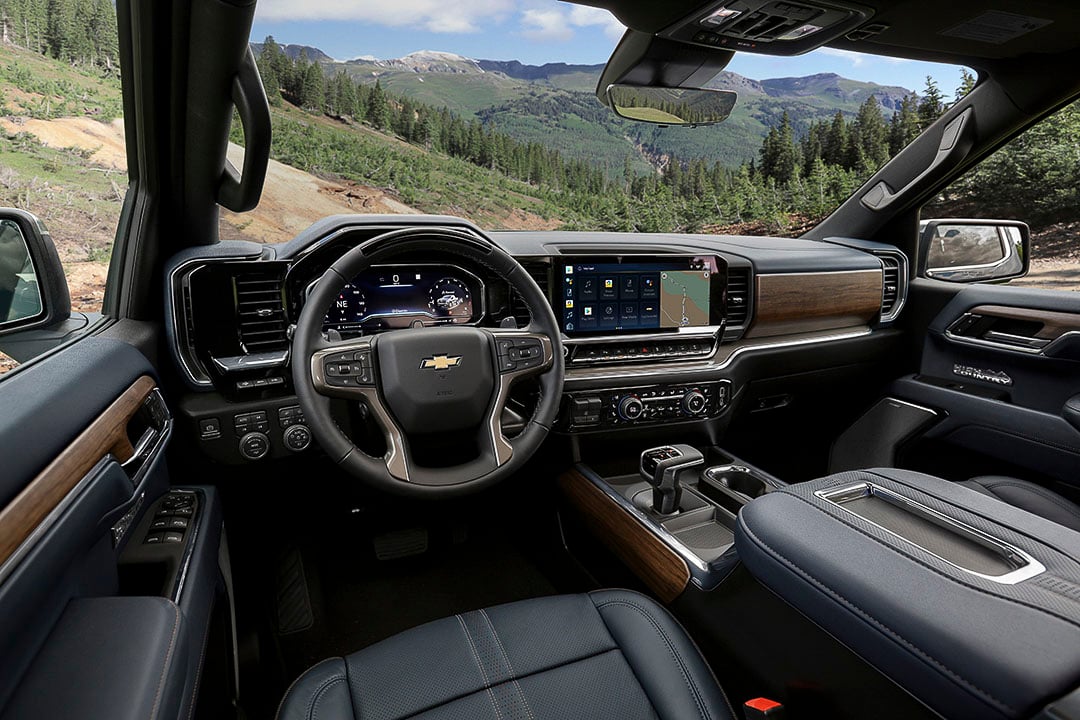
(538, 270)
(893, 284)
(738, 296)
(260, 311)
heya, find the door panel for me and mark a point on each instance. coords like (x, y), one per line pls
(83, 438)
(999, 364)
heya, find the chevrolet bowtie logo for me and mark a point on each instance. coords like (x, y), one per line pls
(440, 362)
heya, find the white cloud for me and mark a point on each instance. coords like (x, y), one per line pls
(546, 25)
(441, 16)
(856, 59)
(584, 16)
(557, 24)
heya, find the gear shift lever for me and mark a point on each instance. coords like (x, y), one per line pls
(661, 468)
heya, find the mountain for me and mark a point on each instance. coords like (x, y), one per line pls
(293, 52)
(554, 104)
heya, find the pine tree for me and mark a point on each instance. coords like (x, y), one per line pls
(967, 84)
(834, 150)
(871, 134)
(904, 126)
(932, 104)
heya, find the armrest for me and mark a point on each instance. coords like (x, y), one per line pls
(114, 657)
(970, 604)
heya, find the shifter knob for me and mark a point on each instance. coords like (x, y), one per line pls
(661, 468)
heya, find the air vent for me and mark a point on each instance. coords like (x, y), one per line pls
(539, 272)
(893, 284)
(260, 311)
(738, 296)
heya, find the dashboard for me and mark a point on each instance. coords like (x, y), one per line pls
(657, 329)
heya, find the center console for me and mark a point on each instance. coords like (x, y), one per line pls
(673, 521)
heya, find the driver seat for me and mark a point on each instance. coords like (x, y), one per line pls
(607, 654)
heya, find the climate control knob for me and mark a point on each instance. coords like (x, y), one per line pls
(694, 402)
(631, 408)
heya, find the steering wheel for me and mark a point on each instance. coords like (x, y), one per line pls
(428, 379)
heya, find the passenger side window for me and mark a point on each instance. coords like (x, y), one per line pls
(1034, 179)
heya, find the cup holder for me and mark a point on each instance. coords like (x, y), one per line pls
(731, 486)
(738, 479)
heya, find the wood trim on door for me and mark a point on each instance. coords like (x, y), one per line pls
(107, 434)
(787, 303)
(646, 555)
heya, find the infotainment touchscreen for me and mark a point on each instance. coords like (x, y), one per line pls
(634, 294)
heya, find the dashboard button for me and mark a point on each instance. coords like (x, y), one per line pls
(254, 446)
(297, 438)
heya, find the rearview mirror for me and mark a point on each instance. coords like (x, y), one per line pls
(671, 106)
(975, 250)
(33, 289)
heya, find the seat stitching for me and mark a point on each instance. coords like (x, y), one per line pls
(1038, 491)
(671, 649)
(867, 617)
(302, 675)
(483, 673)
(167, 661)
(506, 656)
(313, 706)
(528, 675)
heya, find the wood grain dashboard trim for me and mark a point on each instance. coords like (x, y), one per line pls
(788, 303)
(646, 555)
(107, 434)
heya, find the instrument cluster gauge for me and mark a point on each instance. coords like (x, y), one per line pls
(450, 297)
(349, 308)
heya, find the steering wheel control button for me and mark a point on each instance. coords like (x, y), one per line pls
(297, 438)
(254, 446)
(519, 354)
(351, 369)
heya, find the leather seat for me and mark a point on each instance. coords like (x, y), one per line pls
(1028, 496)
(607, 654)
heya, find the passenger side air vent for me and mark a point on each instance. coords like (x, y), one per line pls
(738, 296)
(893, 284)
(539, 272)
(260, 311)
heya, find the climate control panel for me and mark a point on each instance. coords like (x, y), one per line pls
(614, 407)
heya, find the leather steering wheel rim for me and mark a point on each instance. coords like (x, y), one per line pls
(311, 351)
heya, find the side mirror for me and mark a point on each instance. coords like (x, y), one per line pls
(33, 289)
(967, 251)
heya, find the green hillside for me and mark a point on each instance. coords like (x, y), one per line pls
(541, 103)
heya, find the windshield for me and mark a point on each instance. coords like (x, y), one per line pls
(374, 114)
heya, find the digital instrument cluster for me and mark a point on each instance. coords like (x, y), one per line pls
(389, 297)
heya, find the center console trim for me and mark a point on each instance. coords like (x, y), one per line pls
(701, 574)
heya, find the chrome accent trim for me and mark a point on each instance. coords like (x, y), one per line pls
(712, 366)
(903, 283)
(50, 520)
(1012, 248)
(252, 361)
(180, 328)
(1010, 553)
(701, 331)
(192, 538)
(702, 575)
(474, 276)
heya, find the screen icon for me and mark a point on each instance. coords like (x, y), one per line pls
(569, 304)
(569, 269)
(587, 310)
(609, 283)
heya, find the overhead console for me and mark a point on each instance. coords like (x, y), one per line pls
(775, 27)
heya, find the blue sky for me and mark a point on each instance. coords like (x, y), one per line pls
(532, 31)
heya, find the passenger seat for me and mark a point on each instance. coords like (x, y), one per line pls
(1028, 496)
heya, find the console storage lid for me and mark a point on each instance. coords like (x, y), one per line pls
(970, 604)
